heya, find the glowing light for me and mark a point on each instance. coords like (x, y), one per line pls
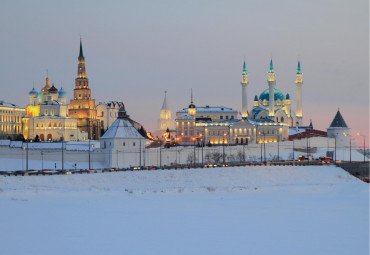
(32, 111)
(149, 135)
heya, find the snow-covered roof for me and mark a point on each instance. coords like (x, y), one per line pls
(211, 109)
(293, 130)
(121, 128)
(2, 103)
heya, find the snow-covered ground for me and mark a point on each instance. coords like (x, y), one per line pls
(235, 210)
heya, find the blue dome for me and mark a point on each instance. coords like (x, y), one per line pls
(255, 98)
(33, 92)
(287, 96)
(62, 93)
(39, 96)
(277, 95)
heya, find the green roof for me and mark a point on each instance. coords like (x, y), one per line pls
(299, 68)
(271, 67)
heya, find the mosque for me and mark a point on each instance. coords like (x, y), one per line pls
(270, 119)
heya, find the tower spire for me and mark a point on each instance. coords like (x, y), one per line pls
(271, 66)
(299, 67)
(191, 96)
(81, 55)
(244, 91)
(244, 68)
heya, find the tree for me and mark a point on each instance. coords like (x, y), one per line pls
(37, 139)
(240, 156)
(190, 159)
(216, 157)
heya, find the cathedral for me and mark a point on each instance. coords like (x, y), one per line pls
(82, 106)
(46, 116)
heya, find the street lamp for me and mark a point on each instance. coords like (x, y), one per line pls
(364, 143)
(223, 148)
(350, 146)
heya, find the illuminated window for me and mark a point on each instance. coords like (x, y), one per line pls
(49, 124)
(60, 124)
(278, 102)
(264, 102)
(46, 112)
(55, 124)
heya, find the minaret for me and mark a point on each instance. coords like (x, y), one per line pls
(244, 84)
(271, 83)
(299, 83)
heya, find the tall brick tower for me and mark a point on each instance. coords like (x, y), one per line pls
(82, 106)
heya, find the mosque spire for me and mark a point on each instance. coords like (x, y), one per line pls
(299, 67)
(191, 96)
(271, 66)
(271, 72)
(244, 68)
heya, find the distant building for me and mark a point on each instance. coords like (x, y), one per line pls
(82, 106)
(165, 120)
(46, 116)
(340, 131)
(10, 120)
(122, 144)
(107, 113)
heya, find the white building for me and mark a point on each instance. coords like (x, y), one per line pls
(107, 113)
(10, 120)
(340, 131)
(122, 144)
(46, 116)
(165, 120)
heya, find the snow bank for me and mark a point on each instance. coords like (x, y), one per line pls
(207, 179)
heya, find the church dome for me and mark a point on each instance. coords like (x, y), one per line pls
(191, 106)
(53, 90)
(33, 93)
(277, 95)
(62, 93)
(39, 96)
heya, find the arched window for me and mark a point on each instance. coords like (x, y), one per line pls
(49, 124)
(42, 138)
(133, 144)
(42, 125)
(264, 102)
(236, 140)
(49, 137)
(282, 119)
(55, 124)
(60, 124)
(102, 114)
(124, 144)
(278, 102)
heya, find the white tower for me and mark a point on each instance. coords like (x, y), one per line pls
(272, 83)
(340, 131)
(299, 83)
(244, 84)
(165, 120)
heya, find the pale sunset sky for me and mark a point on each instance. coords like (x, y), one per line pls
(135, 50)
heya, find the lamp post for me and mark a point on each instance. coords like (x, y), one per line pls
(364, 143)
(350, 146)
(42, 160)
(62, 153)
(293, 152)
(27, 155)
(223, 148)
(202, 144)
(90, 156)
(194, 139)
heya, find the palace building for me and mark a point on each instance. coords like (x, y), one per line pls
(10, 120)
(82, 106)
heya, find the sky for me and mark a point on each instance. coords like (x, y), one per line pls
(135, 50)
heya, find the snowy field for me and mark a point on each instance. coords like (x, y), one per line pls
(235, 210)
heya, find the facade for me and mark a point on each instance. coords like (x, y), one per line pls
(107, 113)
(339, 130)
(122, 144)
(82, 107)
(219, 125)
(10, 120)
(46, 116)
(273, 105)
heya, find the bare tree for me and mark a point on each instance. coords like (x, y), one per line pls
(240, 156)
(190, 159)
(216, 157)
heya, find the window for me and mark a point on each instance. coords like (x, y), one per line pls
(232, 117)
(133, 144)
(282, 119)
(272, 131)
(102, 114)
(221, 117)
(124, 144)
(52, 112)
(49, 124)
(60, 124)
(46, 112)
(218, 132)
(227, 117)
(191, 132)
(55, 124)
(264, 102)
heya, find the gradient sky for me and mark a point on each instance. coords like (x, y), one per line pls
(135, 50)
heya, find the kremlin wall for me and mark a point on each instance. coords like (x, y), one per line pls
(104, 135)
